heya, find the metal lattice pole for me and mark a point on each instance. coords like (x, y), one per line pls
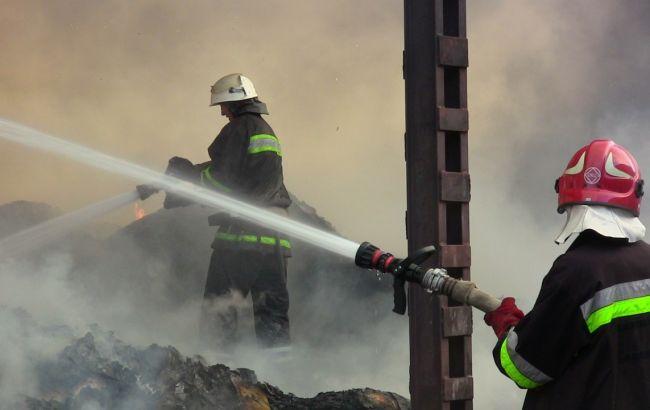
(438, 185)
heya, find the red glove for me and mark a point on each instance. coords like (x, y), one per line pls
(504, 317)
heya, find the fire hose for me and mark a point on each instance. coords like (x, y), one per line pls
(434, 280)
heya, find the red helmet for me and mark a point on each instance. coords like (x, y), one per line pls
(601, 173)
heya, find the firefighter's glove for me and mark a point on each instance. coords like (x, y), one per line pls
(504, 317)
(182, 168)
(145, 191)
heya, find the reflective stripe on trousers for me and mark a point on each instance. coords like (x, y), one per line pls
(250, 238)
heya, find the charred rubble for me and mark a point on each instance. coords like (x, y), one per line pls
(99, 371)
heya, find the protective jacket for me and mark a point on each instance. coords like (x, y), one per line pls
(246, 160)
(586, 342)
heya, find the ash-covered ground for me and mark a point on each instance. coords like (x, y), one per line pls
(99, 371)
(107, 317)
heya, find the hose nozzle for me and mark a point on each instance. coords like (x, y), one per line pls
(434, 280)
(403, 270)
(371, 257)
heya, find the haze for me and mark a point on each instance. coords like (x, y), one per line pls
(133, 79)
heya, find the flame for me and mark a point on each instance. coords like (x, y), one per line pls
(139, 212)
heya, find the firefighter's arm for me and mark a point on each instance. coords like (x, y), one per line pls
(177, 167)
(210, 177)
(262, 168)
(202, 166)
(222, 172)
(541, 346)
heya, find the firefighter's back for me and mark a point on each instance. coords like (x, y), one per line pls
(612, 370)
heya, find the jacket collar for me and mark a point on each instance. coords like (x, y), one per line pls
(253, 107)
(591, 237)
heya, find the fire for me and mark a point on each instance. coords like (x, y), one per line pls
(139, 212)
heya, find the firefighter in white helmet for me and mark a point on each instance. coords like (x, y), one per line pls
(246, 163)
(231, 88)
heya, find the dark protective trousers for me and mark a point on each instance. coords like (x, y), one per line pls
(232, 275)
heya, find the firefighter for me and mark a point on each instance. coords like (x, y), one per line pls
(586, 342)
(246, 163)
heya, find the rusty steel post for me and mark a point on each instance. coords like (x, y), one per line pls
(438, 186)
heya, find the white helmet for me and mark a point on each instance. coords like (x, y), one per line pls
(233, 87)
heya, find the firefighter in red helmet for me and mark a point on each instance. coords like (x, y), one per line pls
(586, 342)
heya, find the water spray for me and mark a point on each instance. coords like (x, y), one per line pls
(21, 134)
(45, 232)
(365, 255)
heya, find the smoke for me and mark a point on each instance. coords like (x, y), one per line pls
(133, 80)
(545, 79)
(39, 235)
(579, 75)
(129, 283)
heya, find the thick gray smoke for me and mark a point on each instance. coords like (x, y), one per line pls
(133, 79)
(145, 282)
(40, 235)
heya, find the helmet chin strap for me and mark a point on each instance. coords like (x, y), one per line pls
(607, 221)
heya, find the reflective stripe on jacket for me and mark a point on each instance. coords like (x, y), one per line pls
(586, 342)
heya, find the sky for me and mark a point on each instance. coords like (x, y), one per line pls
(133, 79)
